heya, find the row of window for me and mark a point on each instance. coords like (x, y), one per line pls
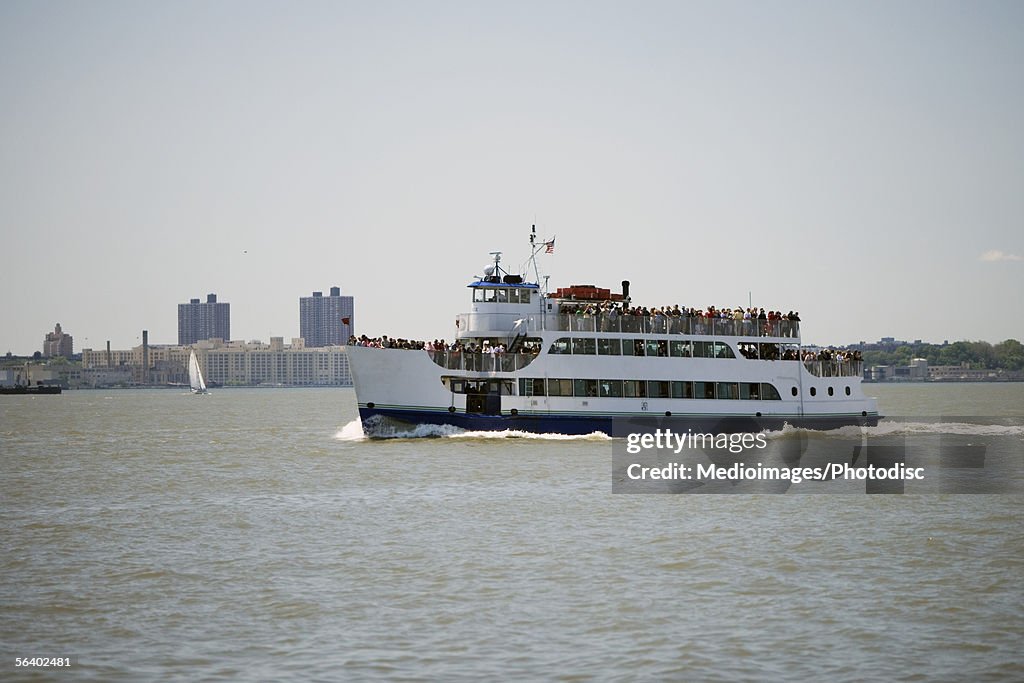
(502, 295)
(638, 388)
(626, 388)
(589, 346)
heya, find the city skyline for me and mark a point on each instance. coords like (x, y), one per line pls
(194, 321)
(859, 163)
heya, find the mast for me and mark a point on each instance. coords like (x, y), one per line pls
(535, 249)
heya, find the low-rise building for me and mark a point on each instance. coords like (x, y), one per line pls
(233, 363)
(960, 373)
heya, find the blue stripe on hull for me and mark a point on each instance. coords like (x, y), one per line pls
(586, 424)
(472, 422)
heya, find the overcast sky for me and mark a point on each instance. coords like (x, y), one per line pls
(860, 162)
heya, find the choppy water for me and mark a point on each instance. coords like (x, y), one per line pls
(254, 534)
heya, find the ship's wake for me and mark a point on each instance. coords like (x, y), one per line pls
(906, 427)
(375, 428)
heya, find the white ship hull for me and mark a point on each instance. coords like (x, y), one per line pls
(574, 361)
(400, 388)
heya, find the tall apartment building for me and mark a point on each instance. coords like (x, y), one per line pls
(326, 320)
(57, 343)
(198, 321)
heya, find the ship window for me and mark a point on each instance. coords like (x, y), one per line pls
(627, 347)
(559, 387)
(704, 389)
(638, 347)
(560, 346)
(608, 347)
(847, 391)
(458, 387)
(814, 391)
(769, 351)
(658, 389)
(728, 390)
(680, 349)
(585, 387)
(682, 389)
(583, 346)
(634, 388)
(750, 391)
(490, 295)
(478, 294)
(702, 349)
(530, 386)
(831, 391)
(651, 347)
(502, 296)
(770, 393)
(723, 350)
(611, 388)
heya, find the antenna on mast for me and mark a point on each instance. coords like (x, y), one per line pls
(534, 250)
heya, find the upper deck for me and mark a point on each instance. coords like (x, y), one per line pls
(500, 322)
(507, 306)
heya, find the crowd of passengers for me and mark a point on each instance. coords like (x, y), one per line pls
(837, 355)
(750, 351)
(767, 352)
(613, 310)
(384, 342)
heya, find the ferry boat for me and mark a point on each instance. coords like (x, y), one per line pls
(21, 389)
(571, 361)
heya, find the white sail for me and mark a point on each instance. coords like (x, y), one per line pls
(195, 375)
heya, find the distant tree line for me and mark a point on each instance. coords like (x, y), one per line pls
(1007, 355)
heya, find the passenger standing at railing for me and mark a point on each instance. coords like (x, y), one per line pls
(659, 321)
(611, 320)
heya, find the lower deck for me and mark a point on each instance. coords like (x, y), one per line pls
(581, 394)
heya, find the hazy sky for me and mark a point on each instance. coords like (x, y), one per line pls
(860, 162)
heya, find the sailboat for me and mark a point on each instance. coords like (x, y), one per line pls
(195, 376)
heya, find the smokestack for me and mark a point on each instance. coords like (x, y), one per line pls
(145, 356)
(625, 290)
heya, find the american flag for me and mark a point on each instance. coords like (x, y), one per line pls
(549, 247)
